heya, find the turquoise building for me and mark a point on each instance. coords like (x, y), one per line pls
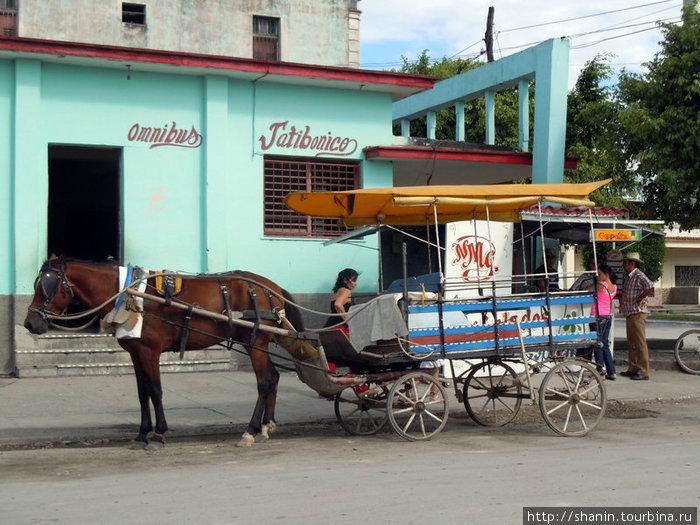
(181, 161)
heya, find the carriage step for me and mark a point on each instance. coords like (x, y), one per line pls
(85, 369)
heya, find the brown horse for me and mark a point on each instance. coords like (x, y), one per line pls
(165, 327)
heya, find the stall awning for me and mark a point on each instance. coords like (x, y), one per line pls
(417, 205)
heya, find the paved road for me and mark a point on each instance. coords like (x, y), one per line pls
(315, 474)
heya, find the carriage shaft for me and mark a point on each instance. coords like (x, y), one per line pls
(213, 315)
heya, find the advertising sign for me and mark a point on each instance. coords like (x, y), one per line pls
(617, 235)
(477, 253)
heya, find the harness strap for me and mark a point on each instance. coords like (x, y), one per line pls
(185, 331)
(254, 299)
(168, 288)
(227, 303)
(229, 313)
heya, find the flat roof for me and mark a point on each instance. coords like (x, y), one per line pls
(399, 85)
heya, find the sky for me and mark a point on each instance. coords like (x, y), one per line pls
(390, 29)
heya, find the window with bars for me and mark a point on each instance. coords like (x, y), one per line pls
(134, 13)
(266, 32)
(8, 17)
(283, 176)
(687, 275)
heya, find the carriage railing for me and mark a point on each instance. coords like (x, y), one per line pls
(473, 319)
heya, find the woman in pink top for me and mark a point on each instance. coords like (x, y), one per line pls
(606, 290)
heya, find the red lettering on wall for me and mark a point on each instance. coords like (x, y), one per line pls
(303, 139)
(168, 135)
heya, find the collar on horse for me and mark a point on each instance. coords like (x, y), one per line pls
(52, 281)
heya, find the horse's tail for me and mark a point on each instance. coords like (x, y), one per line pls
(292, 313)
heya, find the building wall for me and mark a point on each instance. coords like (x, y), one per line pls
(194, 209)
(311, 32)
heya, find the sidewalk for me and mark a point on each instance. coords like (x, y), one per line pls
(37, 412)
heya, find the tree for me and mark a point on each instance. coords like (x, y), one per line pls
(593, 135)
(660, 121)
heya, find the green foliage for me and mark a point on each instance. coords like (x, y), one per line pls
(660, 122)
(593, 135)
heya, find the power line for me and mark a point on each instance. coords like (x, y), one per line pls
(585, 16)
(589, 44)
(618, 27)
(573, 36)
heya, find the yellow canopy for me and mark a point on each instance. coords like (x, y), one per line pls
(415, 205)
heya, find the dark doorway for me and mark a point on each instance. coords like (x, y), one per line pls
(84, 202)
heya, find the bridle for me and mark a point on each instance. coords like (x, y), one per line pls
(52, 281)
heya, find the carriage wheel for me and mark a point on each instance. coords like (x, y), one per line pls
(572, 398)
(492, 394)
(687, 351)
(362, 414)
(415, 413)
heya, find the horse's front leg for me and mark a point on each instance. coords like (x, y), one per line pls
(262, 421)
(269, 403)
(144, 397)
(156, 393)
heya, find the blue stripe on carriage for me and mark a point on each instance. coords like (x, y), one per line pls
(475, 329)
(508, 304)
(586, 338)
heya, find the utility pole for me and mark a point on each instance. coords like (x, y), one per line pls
(488, 36)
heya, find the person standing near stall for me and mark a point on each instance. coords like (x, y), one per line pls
(606, 290)
(636, 289)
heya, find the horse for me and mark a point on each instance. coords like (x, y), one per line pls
(165, 327)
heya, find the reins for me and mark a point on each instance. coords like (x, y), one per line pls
(133, 284)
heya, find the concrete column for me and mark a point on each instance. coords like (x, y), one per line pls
(29, 178)
(523, 116)
(459, 121)
(490, 117)
(548, 149)
(405, 127)
(431, 120)
(215, 195)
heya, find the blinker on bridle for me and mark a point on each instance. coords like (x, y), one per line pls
(51, 280)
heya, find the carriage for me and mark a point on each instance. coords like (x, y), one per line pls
(499, 340)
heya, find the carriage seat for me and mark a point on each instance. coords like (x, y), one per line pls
(377, 320)
(374, 327)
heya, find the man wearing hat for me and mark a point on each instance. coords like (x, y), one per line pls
(634, 306)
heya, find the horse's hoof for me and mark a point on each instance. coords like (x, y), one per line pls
(247, 440)
(138, 445)
(262, 438)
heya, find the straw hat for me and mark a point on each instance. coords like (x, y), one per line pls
(633, 256)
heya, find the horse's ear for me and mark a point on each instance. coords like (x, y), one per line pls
(61, 258)
(52, 257)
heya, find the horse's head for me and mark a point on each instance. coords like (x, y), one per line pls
(52, 295)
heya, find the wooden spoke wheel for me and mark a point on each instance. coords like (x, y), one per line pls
(492, 394)
(572, 398)
(417, 406)
(362, 413)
